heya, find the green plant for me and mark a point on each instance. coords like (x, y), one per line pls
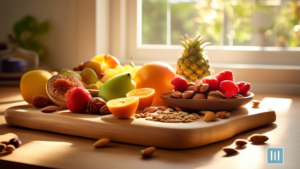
(25, 31)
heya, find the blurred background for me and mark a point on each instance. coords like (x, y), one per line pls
(254, 35)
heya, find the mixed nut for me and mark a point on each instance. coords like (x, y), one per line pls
(9, 146)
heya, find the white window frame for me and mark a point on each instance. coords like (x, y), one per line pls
(266, 61)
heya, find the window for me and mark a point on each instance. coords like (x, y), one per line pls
(257, 61)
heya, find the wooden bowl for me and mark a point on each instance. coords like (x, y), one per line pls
(205, 104)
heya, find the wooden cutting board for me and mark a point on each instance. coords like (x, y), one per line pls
(140, 131)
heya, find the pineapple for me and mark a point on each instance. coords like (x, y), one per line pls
(192, 63)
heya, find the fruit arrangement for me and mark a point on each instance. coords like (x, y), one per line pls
(103, 86)
(220, 86)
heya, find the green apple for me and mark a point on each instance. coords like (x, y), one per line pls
(117, 87)
(70, 73)
(89, 76)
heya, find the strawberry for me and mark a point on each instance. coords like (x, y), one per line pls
(229, 88)
(225, 75)
(212, 82)
(244, 88)
(179, 83)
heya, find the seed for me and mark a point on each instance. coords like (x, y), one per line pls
(240, 142)
(258, 138)
(101, 143)
(148, 151)
(229, 151)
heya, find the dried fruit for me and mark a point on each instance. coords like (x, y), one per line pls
(244, 88)
(255, 103)
(95, 104)
(40, 101)
(9, 148)
(210, 116)
(176, 94)
(179, 83)
(225, 75)
(215, 95)
(2, 147)
(223, 114)
(104, 110)
(199, 96)
(148, 151)
(187, 94)
(49, 109)
(212, 82)
(258, 138)
(240, 142)
(101, 143)
(229, 151)
(150, 109)
(229, 88)
(15, 142)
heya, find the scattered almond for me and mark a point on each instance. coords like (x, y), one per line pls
(255, 103)
(210, 116)
(2, 147)
(101, 143)
(148, 151)
(150, 109)
(9, 148)
(49, 109)
(163, 108)
(188, 94)
(229, 150)
(240, 142)
(40, 101)
(258, 138)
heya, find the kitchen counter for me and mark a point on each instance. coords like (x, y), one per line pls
(50, 150)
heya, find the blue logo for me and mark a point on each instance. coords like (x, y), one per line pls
(274, 155)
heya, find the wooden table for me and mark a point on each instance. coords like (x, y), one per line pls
(50, 150)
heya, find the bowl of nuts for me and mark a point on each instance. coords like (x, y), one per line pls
(213, 100)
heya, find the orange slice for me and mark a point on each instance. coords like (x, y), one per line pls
(145, 96)
(123, 107)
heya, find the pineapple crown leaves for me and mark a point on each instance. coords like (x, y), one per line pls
(196, 42)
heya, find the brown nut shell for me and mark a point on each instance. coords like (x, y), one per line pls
(148, 151)
(95, 105)
(104, 110)
(101, 143)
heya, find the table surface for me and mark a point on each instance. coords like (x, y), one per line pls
(50, 150)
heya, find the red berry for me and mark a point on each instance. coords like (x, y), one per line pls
(212, 82)
(229, 88)
(225, 75)
(179, 83)
(78, 99)
(244, 88)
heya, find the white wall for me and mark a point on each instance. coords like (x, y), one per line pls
(72, 36)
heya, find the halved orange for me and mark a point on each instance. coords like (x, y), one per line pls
(123, 107)
(145, 96)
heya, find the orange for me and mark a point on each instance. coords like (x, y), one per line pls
(155, 75)
(145, 96)
(123, 107)
(108, 61)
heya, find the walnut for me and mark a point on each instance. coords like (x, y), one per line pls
(95, 104)
(104, 110)
(223, 114)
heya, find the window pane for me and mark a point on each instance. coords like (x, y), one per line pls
(154, 21)
(228, 23)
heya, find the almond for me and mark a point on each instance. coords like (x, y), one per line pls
(148, 151)
(162, 108)
(101, 143)
(199, 96)
(2, 147)
(258, 138)
(229, 150)
(191, 87)
(210, 116)
(49, 109)
(9, 148)
(40, 101)
(197, 87)
(240, 142)
(204, 87)
(176, 94)
(188, 94)
(150, 109)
